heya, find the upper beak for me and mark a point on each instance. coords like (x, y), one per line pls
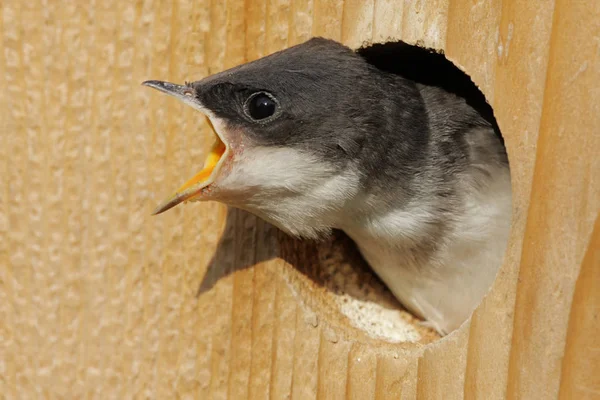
(180, 92)
(202, 179)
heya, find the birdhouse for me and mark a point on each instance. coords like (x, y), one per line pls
(100, 299)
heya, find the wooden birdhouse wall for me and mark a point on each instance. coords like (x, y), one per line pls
(100, 300)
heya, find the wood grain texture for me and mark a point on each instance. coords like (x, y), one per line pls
(581, 361)
(426, 22)
(564, 204)
(100, 300)
(7, 293)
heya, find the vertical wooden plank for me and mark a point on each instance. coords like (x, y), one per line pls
(38, 319)
(159, 16)
(44, 313)
(396, 376)
(387, 20)
(277, 24)
(333, 368)
(327, 17)
(284, 334)
(8, 341)
(218, 309)
(68, 115)
(263, 329)
(362, 373)
(17, 184)
(242, 310)
(425, 22)
(441, 370)
(172, 157)
(410, 380)
(357, 22)
(93, 332)
(256, 27)
(522, 57)
(472, 39)
(116, 272)
(306, 355)
(581, 362)
(564, 202)
(142, 197)
(301, 21)
(235, 32)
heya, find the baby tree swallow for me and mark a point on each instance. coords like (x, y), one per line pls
(315, 138)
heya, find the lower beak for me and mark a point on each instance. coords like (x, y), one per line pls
(202, 179)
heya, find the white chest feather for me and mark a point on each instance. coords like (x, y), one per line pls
(443, 289)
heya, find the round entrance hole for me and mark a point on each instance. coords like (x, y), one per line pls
(343, 291)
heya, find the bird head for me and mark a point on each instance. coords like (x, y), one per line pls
(289, 129)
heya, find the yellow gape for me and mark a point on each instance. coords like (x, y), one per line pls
(194, 186)
(209, 165)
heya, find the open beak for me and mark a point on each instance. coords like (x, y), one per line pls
(213, 162)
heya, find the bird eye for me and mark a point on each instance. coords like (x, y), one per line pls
(261, 105)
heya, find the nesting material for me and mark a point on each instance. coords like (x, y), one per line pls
(342, 287)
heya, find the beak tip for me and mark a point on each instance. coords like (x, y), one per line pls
(167, 205)
(159, 210)
(150, 83)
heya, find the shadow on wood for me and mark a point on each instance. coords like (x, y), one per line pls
(329, 277)
(328, 263)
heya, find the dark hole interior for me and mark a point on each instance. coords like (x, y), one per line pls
(429, 67)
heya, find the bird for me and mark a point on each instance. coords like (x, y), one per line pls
(315, 138)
